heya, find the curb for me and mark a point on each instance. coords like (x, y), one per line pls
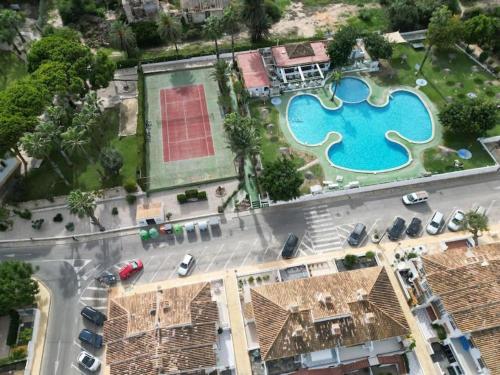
(36, 371)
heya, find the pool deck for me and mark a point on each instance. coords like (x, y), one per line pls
(379, 96)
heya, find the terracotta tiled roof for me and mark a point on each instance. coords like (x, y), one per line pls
(468, 283)
(171, 331)
(342, 309)
(300, 55)
(252, 68)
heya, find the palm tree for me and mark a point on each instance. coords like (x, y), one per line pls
(39, 146)
(53, 132)
(83, 203)
(122, 37)
(74, 140)
(243, 137)
(231, 21)
(213, 29)
(337, 77)
(476, 223)
(219, 74)
(170, 30)
(254, 15)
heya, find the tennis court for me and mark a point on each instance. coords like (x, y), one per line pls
(185, 123)
(187, 144)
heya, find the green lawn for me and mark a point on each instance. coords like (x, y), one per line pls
(374, 19)
(44, 183)
(459, 80)
(11, 68)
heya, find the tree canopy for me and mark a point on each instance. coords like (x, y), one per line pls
(57, 48)
(17, 288)
(102, 70)
(377, 46)
(469, 116)
(476, 223)
(111, 161)
(482, 30)
(26, 97)
(340, 48)
(254, 14)
(444, 29)
(281, 180)
(123, 38)
(58, 78)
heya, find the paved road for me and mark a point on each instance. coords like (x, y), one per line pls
(323, 225)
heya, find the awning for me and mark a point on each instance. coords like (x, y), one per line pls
(394, 37)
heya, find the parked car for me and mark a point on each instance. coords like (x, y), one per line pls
(416, 197)
(397, 229)
(131, 268)
(457, 221)
(107, 278)
(186, 265)
(357, 235)
(290, 246)
(436, 223)
(90, 338)
(88, 361)
(96, 317)
(414, 228)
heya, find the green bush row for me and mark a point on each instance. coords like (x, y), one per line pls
(13, 328)
(140, 133)
(191, 194)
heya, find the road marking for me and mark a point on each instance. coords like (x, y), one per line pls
(77, 369)
(78, 345)
(490, 207)
(234, 251)
(92, 272)
(159, 268)
(94, 298)
(56, 363)
(172, 273)
(96, 288)
(213, 259)
(148, 261)
(79, 268)
(302, 252)
(246, 257)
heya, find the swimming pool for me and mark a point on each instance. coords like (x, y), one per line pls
(363, 128)
(351, 90)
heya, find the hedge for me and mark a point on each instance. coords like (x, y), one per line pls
(191, 194)
(13, 328)
(181, 198)
(202, 195)
(140, 133)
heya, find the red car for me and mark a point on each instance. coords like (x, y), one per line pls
(132, 267)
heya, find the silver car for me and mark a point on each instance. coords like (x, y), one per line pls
(88, 361)
(456, 222)
(186, 265)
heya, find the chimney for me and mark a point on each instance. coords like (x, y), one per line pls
(293, 308)
(361, 294)
(370, 318)
(336, 329)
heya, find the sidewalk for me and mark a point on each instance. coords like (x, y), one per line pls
(113, 198)
(43, 302)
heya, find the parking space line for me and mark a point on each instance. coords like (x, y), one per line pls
(78, 345)
(172, 273)
(77, 369)
(159, 268)
(490, 206)
(94, 298)
(231, 256)
(95, 288)
(215, 256)
(246, 258)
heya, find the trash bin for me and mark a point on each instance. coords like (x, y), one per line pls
(144, 234)
(166, 229)
(153, 233)
(203, 225)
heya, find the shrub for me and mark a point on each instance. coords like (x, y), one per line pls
(265, 277)
(450, 82)
(37, 224)
(483, 56)
(202, 195)
(370, 255)
(365, 15)
(18, 353)
(251, 279)
(4, 226)
(13, 327)
(70, 226)
(478, 80)
(489, 92)
(25, 336)
(130, 186)
(169, 215)
(441, 332)
(191, 194)
(181, 198)
(24, 214)
(240, 283)
(146, 34)
(258, 279)
(461, 95)
(58, 218)
(220, 210)
(411, 256)
(114, 211)
(131, 198)
(350, 261)
(272, 10)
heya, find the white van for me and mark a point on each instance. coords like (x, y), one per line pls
(436, 223)
(416, 197)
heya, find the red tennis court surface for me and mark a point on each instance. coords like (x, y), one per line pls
(185, 123)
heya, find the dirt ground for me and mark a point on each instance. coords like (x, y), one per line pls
(302, 21)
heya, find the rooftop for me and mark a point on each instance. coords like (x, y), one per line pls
(252, 68)
(317, 313)
(170, 331)
(468, 284)
(300, 54)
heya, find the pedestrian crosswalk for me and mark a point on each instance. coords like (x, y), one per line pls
(321, 233)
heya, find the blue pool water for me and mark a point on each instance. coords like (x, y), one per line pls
(351, 90)
(364, 146)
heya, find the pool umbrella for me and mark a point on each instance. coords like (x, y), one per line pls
(464, 154)
(144, 234)
(178, 229)
(153, 233)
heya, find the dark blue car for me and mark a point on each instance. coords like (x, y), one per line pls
(91, 338)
